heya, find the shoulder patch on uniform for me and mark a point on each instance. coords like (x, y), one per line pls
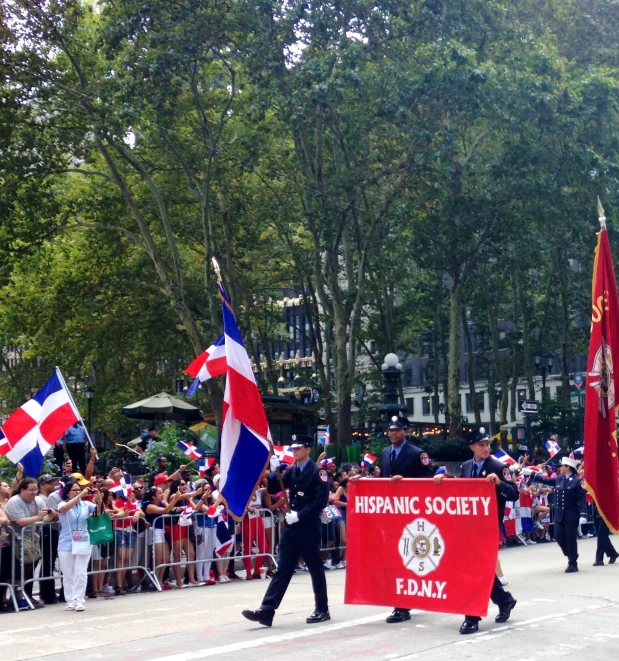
(507, 474)
(425, 460)
(323, 475)
(582, 483)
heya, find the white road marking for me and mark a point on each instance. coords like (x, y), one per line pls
(270, 640)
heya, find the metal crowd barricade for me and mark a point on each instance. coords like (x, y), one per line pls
(179, 545)
(37, 555)
(331, 541)
(7, 562)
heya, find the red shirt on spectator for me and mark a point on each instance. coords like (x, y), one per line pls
(131, 508)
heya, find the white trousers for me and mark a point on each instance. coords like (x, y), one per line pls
(204, 553)
(73, 568)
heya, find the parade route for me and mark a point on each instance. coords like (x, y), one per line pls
(556, 615)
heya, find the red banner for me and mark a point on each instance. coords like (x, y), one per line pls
(415, 544)
(601, 394)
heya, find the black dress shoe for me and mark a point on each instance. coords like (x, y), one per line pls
(571, 569)
(598, 563)
(469, 626)
(613, 559)
(505, 611)
(398, 615)
(318, 616)
(262, 617)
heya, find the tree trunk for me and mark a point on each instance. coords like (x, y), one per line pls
(455, 324)
(471, 367)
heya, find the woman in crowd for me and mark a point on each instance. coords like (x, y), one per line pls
(154, 509)
(340, 500)
(125, 536)
(101, 552)
(180, 534)
(206, 528)
(209, 530)
(253, 532)
(275, 504)
(74, 546)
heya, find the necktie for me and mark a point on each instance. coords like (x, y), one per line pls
(474, 473)
(392, 457)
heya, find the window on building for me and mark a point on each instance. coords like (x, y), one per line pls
(559, 392)
(410, 406)
(480, 397)
(426, 401)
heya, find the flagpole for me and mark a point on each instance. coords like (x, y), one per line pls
(601, 216)
(64, 385)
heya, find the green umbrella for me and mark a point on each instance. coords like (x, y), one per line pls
(162, 407)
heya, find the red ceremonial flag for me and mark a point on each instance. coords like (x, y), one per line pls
(602, 480)
(408, 544)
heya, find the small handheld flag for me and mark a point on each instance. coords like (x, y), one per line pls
(553, 447)
(504, 458)
(368, 459)
(190, 450)
(328, 463)
(122, 487)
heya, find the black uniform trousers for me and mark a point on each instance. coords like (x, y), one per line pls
(566, 534)
(77, 455)
(604, 545)
(298, 540)
(498, 596)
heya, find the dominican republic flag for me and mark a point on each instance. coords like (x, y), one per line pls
(31, 430)
(328, 463)
(190, 450)
(223, 539)
(208, 364)
(552, 447)
(504, 458)
(204, 464)
(368, 459)
(122, 487)
(245, 435)
(284, 454)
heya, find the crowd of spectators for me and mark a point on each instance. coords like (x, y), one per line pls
(164, 525)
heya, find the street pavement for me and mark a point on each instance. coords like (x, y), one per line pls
(557, 615)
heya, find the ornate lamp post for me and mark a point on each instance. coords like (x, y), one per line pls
(543, 364)
(392, 373)
(90, 393)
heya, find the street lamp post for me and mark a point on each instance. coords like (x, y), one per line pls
(392, 372)
(543, 364)
(89, 395)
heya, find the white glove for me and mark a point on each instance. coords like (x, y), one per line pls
(291, 518)
(582, 520)
(527, 471)
(274, 463)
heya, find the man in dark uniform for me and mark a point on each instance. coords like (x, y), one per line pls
(482, 465)
(309, 495)
(402, 459)
(570, 508)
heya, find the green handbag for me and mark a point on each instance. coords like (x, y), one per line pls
(100, 529)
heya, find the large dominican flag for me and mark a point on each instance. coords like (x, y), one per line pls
(35, 426)
(245, 444)
(601, 394)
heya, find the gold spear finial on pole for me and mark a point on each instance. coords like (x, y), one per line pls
(217, 270)
(601, 216)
